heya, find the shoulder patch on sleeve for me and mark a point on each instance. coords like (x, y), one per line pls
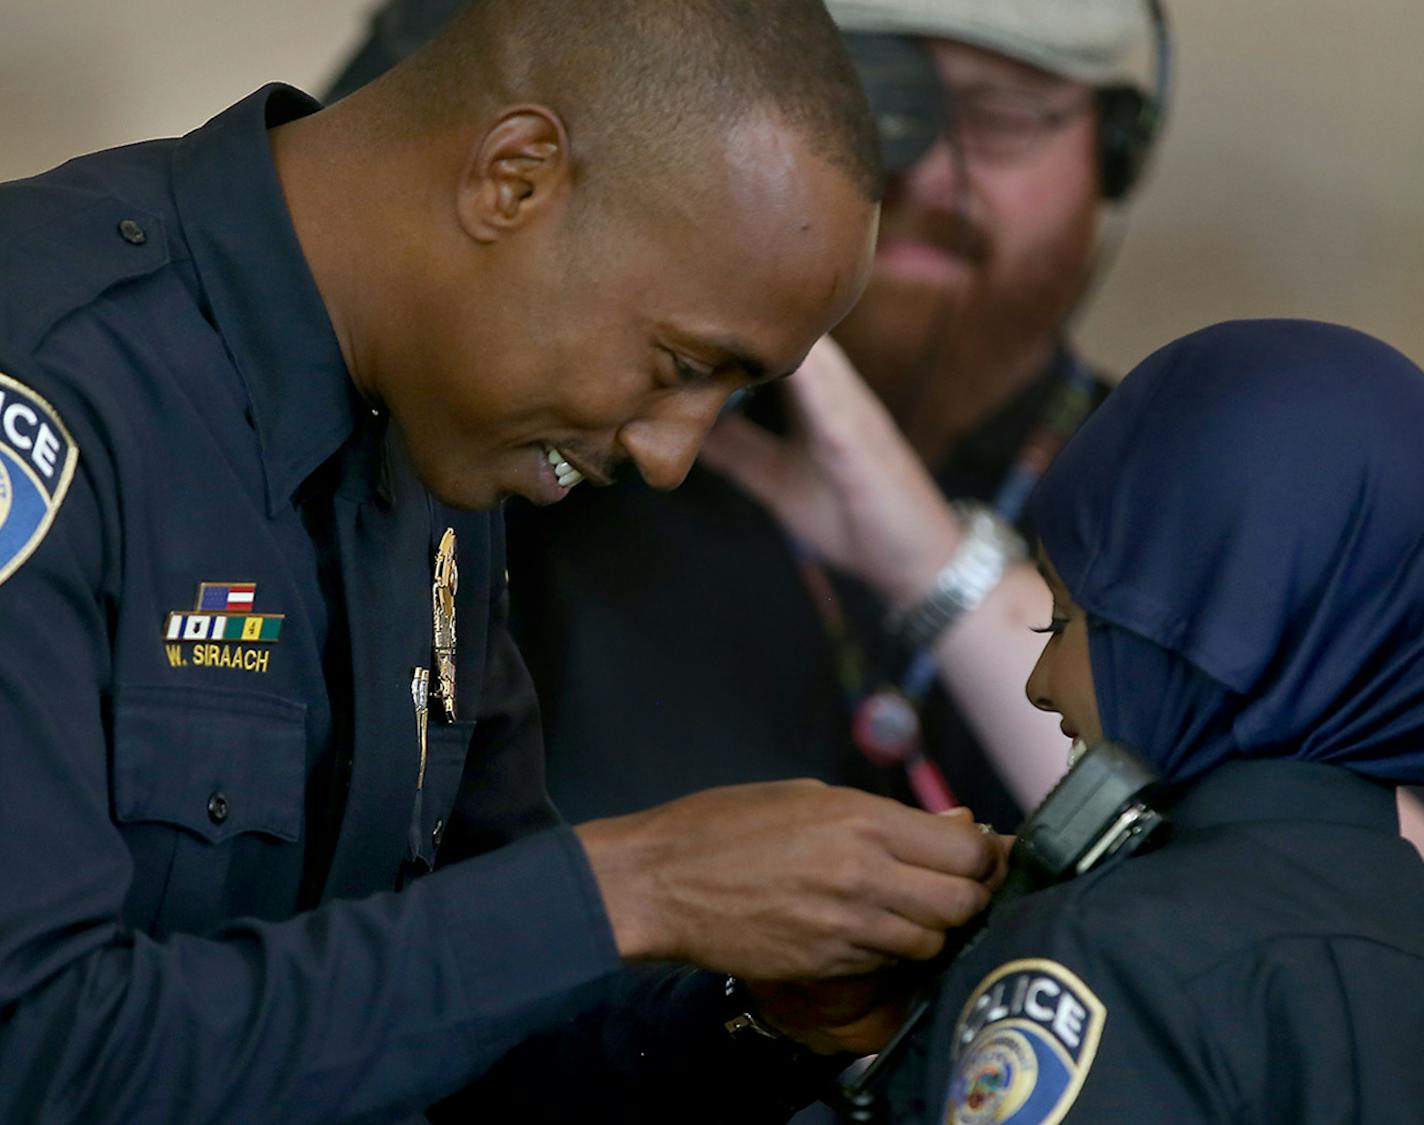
(1023, 1045)
(37, 457)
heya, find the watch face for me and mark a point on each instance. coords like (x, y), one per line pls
(906, 98)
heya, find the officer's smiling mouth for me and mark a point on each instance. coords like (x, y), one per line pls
(565, 473)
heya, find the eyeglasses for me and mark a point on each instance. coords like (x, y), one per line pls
(997, 124)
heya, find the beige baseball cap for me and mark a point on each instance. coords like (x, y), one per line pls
(1093, 41)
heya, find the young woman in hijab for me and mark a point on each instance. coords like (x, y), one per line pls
(1235, 544)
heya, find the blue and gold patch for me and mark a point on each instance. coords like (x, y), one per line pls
(1023, 1046)
(37, 458)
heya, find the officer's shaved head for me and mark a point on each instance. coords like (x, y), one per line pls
(574, 228)
(639, 83)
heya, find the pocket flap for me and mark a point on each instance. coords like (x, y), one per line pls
(218, 763)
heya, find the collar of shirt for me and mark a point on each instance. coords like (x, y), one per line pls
(263, 296)
(1260, 790)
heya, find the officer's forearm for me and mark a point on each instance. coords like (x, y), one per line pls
(361, 1009)
(655, 1051)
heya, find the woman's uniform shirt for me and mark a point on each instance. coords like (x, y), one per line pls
(1265, 965)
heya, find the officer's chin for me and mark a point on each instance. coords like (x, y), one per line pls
(473, 493)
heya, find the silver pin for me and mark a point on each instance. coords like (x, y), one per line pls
(420, 696)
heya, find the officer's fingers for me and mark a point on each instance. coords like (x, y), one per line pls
(1004, 846)
(849, 926)
(952, 845)
(933, 900)
(894, 935)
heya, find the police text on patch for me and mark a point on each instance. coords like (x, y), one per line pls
(37, 458)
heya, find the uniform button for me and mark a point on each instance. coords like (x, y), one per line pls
(217, 808)
(437, 834)
(132, 232)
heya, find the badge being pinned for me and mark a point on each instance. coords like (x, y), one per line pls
(442, 594)
(1023, 1046)
(37, 458)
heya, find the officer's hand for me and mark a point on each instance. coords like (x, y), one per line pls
(852, 1015)
(788, 880)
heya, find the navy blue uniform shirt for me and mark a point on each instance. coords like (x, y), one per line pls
(217, 572)
(1266, 965)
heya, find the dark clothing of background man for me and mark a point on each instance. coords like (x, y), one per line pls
(675, 645)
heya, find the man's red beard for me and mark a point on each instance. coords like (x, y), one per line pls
(945, 356)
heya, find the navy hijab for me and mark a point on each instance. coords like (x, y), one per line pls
(1243, 521)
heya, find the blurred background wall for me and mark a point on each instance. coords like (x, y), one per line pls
(1290, 180)
(1290, 183)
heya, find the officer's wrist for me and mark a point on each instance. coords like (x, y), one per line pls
(743, 1022)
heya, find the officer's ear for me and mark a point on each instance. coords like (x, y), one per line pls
(517, 169)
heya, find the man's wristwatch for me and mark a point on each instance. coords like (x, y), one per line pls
(742, 1023)
(786, 1075)
(989, 547)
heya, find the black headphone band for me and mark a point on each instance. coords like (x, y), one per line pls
(1130, 121)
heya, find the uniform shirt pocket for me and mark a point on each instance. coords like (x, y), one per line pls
(217, 763)
(448, 747)
(209, 794)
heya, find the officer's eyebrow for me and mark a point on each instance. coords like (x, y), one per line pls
(736, 354)
(754, 369)
(728, 351)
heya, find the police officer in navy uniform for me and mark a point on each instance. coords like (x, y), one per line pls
(275, 838)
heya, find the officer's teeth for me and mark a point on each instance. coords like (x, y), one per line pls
(567, 475)
(1076, 751)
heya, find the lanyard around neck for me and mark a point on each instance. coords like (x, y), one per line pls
(885, 718)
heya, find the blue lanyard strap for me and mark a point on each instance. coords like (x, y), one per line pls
(1068, 403)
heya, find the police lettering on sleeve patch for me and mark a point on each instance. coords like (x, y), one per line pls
(37, 458)
(1023, 1046)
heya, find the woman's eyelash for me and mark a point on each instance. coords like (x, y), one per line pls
(1053, 627)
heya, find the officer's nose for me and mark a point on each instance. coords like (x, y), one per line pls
(664, 440)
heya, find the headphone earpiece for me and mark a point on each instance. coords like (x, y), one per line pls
(1129, 120)
(1127, 126)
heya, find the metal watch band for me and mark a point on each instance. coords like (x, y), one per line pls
(989, 547)
(745, 1022)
